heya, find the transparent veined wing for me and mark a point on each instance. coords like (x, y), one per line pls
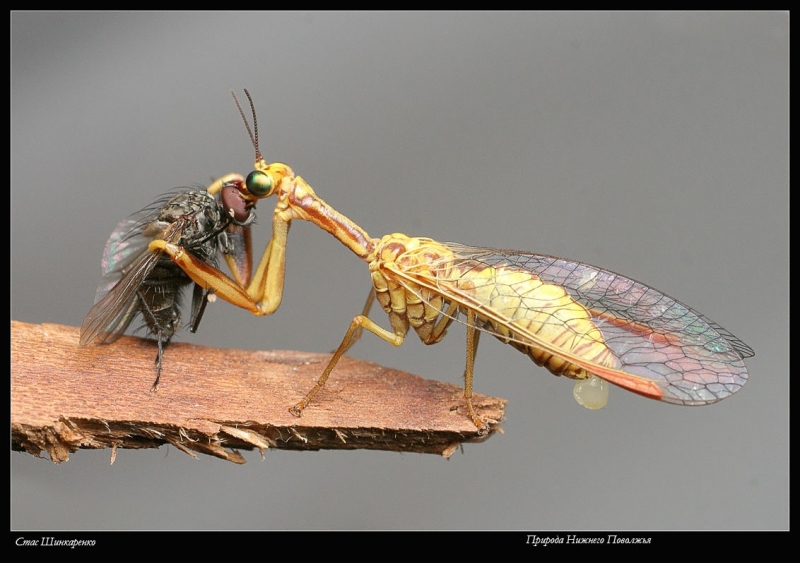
(657, 346)
(126, 263)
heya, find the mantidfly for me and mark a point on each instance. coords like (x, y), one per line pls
(574, 319)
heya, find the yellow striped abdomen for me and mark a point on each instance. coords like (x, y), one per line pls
(417, 279)
(514, 304)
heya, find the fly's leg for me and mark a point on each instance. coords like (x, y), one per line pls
(162, 344)
(473, 336)
(360, 322)
(161, 338)
(200, 298)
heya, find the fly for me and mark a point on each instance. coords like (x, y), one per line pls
(137, 281)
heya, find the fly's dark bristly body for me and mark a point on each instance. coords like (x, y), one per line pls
(139, 281)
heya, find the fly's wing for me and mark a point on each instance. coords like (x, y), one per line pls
(110, 316)
(123, 247)
(663, 349)
(126, 264)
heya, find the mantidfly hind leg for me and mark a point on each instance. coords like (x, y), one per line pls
(473, 336)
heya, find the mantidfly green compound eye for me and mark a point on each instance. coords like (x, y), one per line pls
(259, 184)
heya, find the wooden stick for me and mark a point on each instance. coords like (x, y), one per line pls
(216, 401)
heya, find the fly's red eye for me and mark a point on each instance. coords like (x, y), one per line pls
(235, 203)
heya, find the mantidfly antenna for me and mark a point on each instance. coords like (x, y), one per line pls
(253, 137)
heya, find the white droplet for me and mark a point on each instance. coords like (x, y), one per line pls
(591, 393)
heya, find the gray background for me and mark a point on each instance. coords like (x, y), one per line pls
(653, 144)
